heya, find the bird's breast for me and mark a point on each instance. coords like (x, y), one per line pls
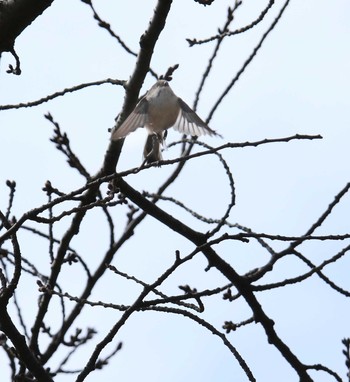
(162, 112)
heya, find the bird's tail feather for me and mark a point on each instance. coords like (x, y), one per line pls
(151, 152)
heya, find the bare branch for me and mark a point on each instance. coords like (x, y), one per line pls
(226, 33)
(62, 93)
(247, 62)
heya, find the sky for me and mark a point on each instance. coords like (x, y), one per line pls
(298, 84)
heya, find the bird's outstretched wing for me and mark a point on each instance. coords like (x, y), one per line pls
(137, 118)
(188, 122)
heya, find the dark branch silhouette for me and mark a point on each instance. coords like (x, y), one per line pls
(41, 347)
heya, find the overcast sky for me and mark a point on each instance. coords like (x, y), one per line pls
(298, 83)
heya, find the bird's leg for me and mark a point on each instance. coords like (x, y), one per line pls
(165, 134)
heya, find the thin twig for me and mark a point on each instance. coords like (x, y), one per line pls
(62, 93)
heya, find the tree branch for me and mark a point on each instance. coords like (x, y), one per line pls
(15, 16)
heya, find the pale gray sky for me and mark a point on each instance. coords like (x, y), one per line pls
(298, 83)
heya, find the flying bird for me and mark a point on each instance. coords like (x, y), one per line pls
(157, 111)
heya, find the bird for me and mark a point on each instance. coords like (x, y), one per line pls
(159, 110)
